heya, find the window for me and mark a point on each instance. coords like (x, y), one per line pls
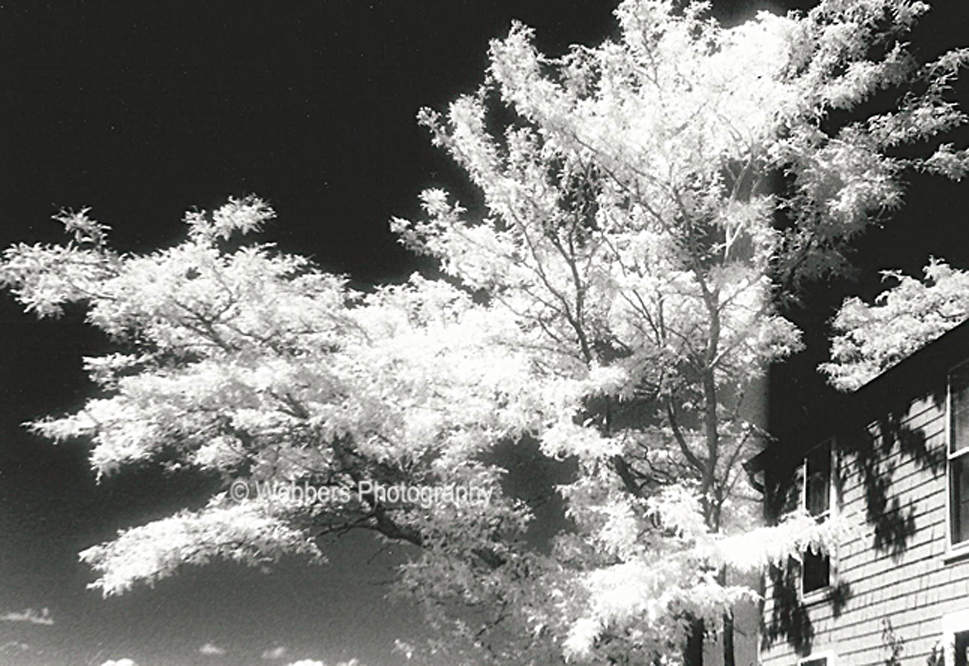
(960, 641)
(955, 639)
(959, 455)
(816, 498)
(822, 659)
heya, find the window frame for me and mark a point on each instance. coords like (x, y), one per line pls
(820, 592)
(962, 548)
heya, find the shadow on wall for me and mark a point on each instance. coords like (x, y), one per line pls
(874, 455)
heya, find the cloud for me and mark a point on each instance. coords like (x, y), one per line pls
(276, 653)
(29, 615)
(13, 646)
(307, 662)
(211, 648)
(119, 662)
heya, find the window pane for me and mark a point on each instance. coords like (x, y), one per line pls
(817, 571)
(790, 490)
(818, 480)
(959, 397)
(962, 646)
(959, 498)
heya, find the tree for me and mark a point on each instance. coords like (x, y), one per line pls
(904, 317)
(656, 199)
(647, 206)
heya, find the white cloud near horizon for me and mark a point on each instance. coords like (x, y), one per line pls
(14, 645)
(120, 662)
(279, 652)
(29, 615)
(211, 648)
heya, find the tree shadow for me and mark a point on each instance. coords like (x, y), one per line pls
(840, 595)
(789, 617)
(875, 452)
(872, 453)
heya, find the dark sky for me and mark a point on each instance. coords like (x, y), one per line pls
(144, 110)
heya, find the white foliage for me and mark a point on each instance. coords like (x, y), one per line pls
(246, 532)
(903, 318)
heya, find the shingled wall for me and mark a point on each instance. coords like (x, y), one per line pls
(891, 476)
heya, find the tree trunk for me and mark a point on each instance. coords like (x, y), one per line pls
(728, 646)
(728, 653)
(693, 653)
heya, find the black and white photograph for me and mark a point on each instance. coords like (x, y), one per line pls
(469, 332)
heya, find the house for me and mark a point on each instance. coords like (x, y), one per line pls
(895, 453)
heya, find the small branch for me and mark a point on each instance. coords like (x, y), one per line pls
(680, 439)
